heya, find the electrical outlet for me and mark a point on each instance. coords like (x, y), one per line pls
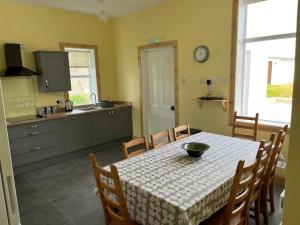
(223, 81)
(202, 81)
(183, 80)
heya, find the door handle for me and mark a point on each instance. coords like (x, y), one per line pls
(172, 108)
(47, 83)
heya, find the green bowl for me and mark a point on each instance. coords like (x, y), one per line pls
(195, 149)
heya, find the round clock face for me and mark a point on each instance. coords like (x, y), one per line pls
(201, 53)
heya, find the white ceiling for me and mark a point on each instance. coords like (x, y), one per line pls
(114, 8)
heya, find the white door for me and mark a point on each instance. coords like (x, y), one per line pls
(158, 89)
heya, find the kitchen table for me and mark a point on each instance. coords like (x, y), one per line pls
(166, 186)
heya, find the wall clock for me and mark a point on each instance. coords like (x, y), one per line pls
(201, 54)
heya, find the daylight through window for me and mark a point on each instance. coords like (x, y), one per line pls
(266, 59)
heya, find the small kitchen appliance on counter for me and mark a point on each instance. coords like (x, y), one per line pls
(68, 106)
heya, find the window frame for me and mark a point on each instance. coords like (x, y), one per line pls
(64, 45)
(233, 64)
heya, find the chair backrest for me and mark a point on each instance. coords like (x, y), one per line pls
(246, 123)
(160, 139)
(285, 128)
(274, 156)
(268, 146)
(262, 155)
(140, 145)
(238, 204)
(181, 132)
(115, 209)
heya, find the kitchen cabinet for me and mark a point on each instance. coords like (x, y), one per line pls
(37, 141)
(99, 127)
(110, 125)
(33, 142)
(121, 123)
(75, 133)
(54, 72)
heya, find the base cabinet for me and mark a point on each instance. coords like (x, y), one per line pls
(99, 127)
(75, 133)
(121, 123)
(110, 125)
(34, 142)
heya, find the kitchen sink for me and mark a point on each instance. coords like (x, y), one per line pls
(89, 109)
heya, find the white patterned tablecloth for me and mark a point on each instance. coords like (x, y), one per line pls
(166, 186)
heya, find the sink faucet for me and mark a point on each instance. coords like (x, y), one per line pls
(95, 98)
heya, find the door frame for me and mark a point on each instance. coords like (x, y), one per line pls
(173, 44)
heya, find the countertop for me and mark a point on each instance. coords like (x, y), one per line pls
(76, 111)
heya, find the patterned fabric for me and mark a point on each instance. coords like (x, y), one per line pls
(166, 186)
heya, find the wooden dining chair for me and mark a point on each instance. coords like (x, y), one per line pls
(262, 154)
(181, 132)
(245, 123)
(236, 211)
(267, 191)
(139, 146)
(115, 210)
(160, 139)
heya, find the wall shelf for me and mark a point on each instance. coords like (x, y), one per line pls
(223, 102)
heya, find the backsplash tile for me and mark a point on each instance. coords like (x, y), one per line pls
(19, 96)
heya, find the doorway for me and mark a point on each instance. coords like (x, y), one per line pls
(159, 91)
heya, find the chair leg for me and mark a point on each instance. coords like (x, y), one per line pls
(271, 197)
(257, 211)
(264, 204)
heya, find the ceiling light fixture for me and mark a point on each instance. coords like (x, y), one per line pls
(102, 15)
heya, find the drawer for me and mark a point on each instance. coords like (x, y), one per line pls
(38, 153)
(24, 145)
(32, 129)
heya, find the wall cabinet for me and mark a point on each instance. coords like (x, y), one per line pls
(54, 72)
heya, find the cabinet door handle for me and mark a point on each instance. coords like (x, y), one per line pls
(34, 126)
(47, 83)
(34, 133)
(109, 114)
(112, 113)
(35, 149)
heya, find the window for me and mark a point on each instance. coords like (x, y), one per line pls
(266, 38)
(83, 75)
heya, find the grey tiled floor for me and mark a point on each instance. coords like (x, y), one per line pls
(62, 194)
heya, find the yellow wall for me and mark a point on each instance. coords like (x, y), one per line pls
(41, 28)
(192, 23)
(292, 199)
